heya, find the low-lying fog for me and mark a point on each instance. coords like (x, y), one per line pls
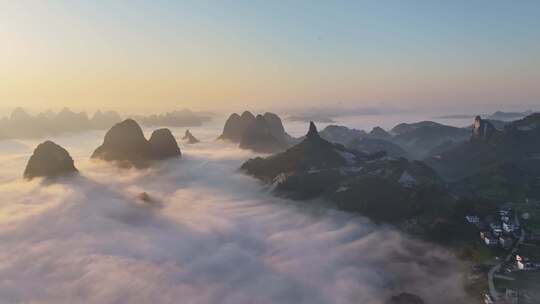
(212, 235)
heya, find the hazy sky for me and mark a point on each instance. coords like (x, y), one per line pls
(159, 55)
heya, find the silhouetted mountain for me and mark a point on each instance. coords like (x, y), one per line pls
(419, 139)
(164, 144)
(515, 148)
(49, 160)
(370, 184)
(189, 138)
(236, 125)
(312, 152)
(125, 143)
(264, 133)
(182, 118)
(275, 126)
(264, 136)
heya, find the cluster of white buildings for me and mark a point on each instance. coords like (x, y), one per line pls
(502, 231)
(524, 263)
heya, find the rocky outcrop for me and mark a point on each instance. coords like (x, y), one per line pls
(163, 145)
(264, 133)
(312, 153)
(482, 129)
(263, 136)
(236, 125)
(125, 143)
(275, 125)
(49, 160)
(189, 138)
(231, 130)
(313, 133)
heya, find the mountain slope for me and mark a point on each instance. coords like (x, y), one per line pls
(499, 164)
(375, 185)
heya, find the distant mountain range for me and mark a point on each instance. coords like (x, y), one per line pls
(182, 118)
(413, 141)
(372, 184)
(373, 173)
(21, 124)
(499, 115)
(496, 164)
(355, 171)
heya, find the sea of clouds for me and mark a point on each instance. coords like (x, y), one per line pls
(210, 235)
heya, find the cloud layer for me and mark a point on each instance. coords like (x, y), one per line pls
(211, 235)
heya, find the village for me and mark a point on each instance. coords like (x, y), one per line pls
(512, 236)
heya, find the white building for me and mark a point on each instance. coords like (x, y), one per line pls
(523, 263)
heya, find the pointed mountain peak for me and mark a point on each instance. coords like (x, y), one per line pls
(312, 133)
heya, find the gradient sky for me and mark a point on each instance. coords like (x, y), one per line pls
(161, 55)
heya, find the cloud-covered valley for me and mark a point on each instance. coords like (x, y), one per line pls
(210, 235)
